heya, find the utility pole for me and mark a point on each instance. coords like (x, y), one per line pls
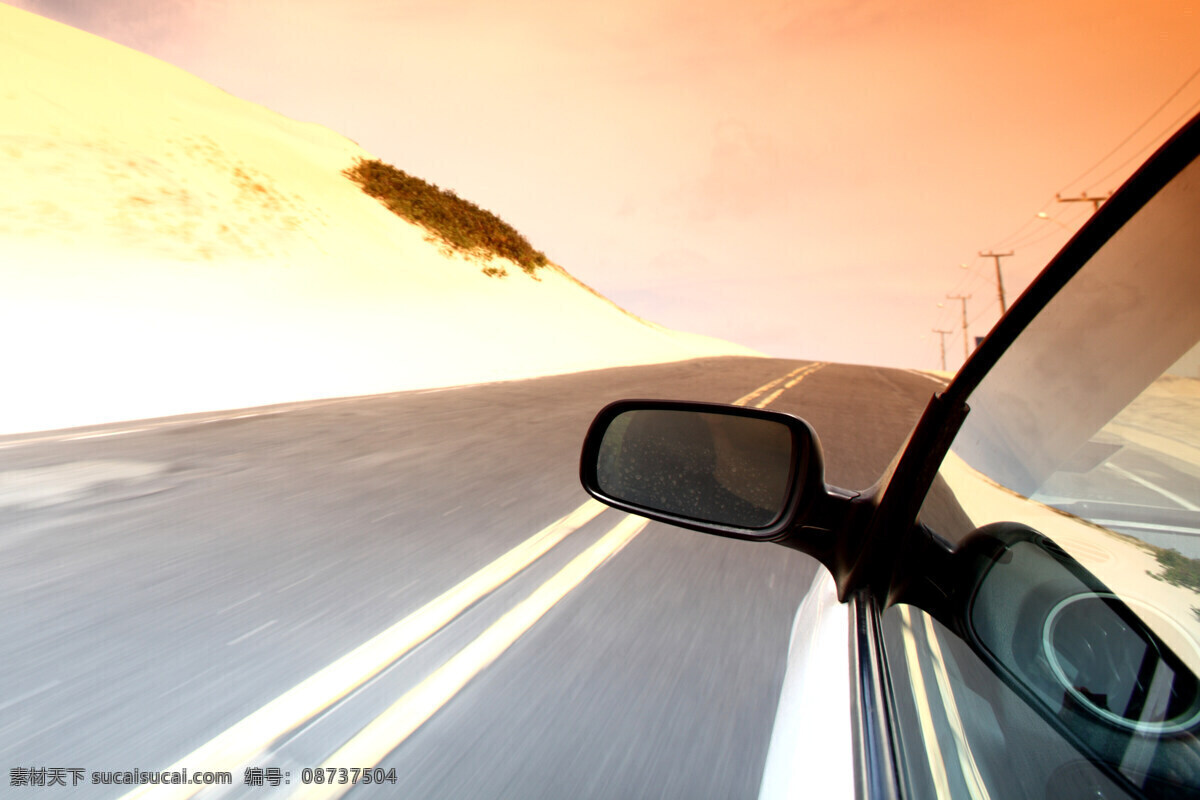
(964, 299)
(942, 341)
(1083, 198)
(999, 276)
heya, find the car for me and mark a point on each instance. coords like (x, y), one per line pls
(1013, 609)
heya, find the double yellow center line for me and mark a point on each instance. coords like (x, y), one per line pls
(248, 739)
(406, 715)
(778, 386)
(238, 746)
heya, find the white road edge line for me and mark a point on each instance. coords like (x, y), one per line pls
(1174, 498)
(248, 634)
(155, 424)
(243, 601)
(12, 701)
(387, 731)
(1113, 524)
(927, 376)
(251, 736)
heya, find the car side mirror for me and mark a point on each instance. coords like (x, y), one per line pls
(728, 470)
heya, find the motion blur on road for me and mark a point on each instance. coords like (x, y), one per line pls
(174, 592)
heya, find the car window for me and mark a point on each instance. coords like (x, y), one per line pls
(1085, 440)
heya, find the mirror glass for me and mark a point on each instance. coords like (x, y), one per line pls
(719, 468)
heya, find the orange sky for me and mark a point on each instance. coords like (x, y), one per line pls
(802, 177)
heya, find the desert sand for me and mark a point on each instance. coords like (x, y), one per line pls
(168, 248)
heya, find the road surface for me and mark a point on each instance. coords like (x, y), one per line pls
(163, 582)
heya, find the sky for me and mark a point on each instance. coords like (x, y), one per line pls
(809, 178)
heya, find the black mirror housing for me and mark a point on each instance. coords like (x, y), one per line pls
(739, 472)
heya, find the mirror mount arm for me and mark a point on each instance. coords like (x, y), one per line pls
(827, 529)
(932, 579)
(879, 557)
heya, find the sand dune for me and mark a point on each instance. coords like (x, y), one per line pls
(166, 247)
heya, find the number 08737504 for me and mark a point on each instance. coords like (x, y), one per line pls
(347, 775)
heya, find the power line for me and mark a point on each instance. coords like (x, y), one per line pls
(967, 284)
(981, 313)
(1137, 130)
(1034, 237)
(1152, 143)
(1018, 232)
(1021, 239)
(1007, 240)
(967, 281)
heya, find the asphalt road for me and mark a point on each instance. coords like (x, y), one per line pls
(162, 581)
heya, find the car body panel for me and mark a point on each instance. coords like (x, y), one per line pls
(807, 759)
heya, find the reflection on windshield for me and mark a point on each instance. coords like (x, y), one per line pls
(1094, 414)
(1131, 494)
(1140, 473)
(1131, 316)
(1085, 434)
